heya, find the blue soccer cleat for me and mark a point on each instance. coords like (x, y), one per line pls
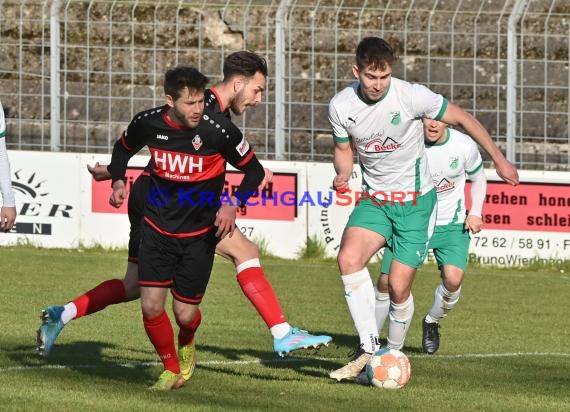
(49, 329)
(299, 339)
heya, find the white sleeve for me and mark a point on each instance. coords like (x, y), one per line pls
(338, 130)
(5, 180)
(478, 192)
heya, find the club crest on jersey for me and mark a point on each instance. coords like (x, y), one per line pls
(443, 185)
(379, 146)
(197, 142)
(395, 118)
(242, 147)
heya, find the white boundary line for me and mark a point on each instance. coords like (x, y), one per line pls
(278, 361)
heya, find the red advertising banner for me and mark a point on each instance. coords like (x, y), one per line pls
(529, 206)
(101, 191)
(277, 201)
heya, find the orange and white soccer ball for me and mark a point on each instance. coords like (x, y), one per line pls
(389, 369)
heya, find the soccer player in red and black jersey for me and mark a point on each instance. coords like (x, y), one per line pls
(242, 87)
(184, 216)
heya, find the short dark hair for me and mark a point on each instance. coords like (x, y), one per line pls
(374, 52)
(244, 63)
(181, 77)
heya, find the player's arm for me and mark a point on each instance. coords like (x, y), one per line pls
(99, 172)
(8, 210)
(240, 155)
(474, 222)
(129, 144)
(342, 161)
(455, 115)
(343, 149)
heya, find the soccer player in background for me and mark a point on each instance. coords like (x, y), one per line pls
(8, 210)
(379, 117)
(244, 81)
(451, 156)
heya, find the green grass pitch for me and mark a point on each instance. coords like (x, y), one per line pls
(504, 347)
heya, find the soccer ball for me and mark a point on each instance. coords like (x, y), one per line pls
(389, 369)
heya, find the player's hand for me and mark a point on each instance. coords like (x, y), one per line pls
(99, 172)
(119, 194)
(268, 178)
(226, 220)
(507, 171)
(7, 218)
(474, 223)
(340, 182)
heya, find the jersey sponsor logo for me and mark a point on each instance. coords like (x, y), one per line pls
(379, 146)
(161, 137)
(444, 185)
(377, 136)
(242, 147)
(395, 118)
(184, 167)
(197, 142)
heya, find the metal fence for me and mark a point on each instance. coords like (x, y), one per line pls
(73, 73)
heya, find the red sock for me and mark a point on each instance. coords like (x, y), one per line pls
(105, 294)
(259, 291)
(159, 331)
(186, 333)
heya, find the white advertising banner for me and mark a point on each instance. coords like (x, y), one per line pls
(328, 218)
(60, 205)
(525, 223)
(46, 186)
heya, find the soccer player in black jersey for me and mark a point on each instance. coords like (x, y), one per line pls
(242, 87)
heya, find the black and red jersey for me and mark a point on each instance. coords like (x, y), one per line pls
(187, 168)
(213, 103)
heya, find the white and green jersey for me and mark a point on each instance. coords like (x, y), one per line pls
(388, 136)
(449, 162)
(2, 122)
(5, 180)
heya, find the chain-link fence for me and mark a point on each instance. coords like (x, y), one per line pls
(73, 73)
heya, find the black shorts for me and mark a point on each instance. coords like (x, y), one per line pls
(182, 264)
(137, 197)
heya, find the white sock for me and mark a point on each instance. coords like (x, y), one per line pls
(359, 295)
(69, 312)
(382, 308)
(443, 302)
(400, 321)
(280, 330)
(251, 263)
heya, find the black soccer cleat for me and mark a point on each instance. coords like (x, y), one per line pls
(430, 337)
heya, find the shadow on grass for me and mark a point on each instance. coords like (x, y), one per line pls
(85, 357)
(140, 365)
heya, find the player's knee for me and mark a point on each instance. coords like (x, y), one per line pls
(382, 284)
(184, 314)
(151, 309)
(349, 262)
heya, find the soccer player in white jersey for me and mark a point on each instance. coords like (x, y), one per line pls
(8, 210)
(379, 117)
(452, 156)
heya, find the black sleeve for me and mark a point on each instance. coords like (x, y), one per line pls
(131, 142)
(240, 155)
(119, 161)
(253, 176)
